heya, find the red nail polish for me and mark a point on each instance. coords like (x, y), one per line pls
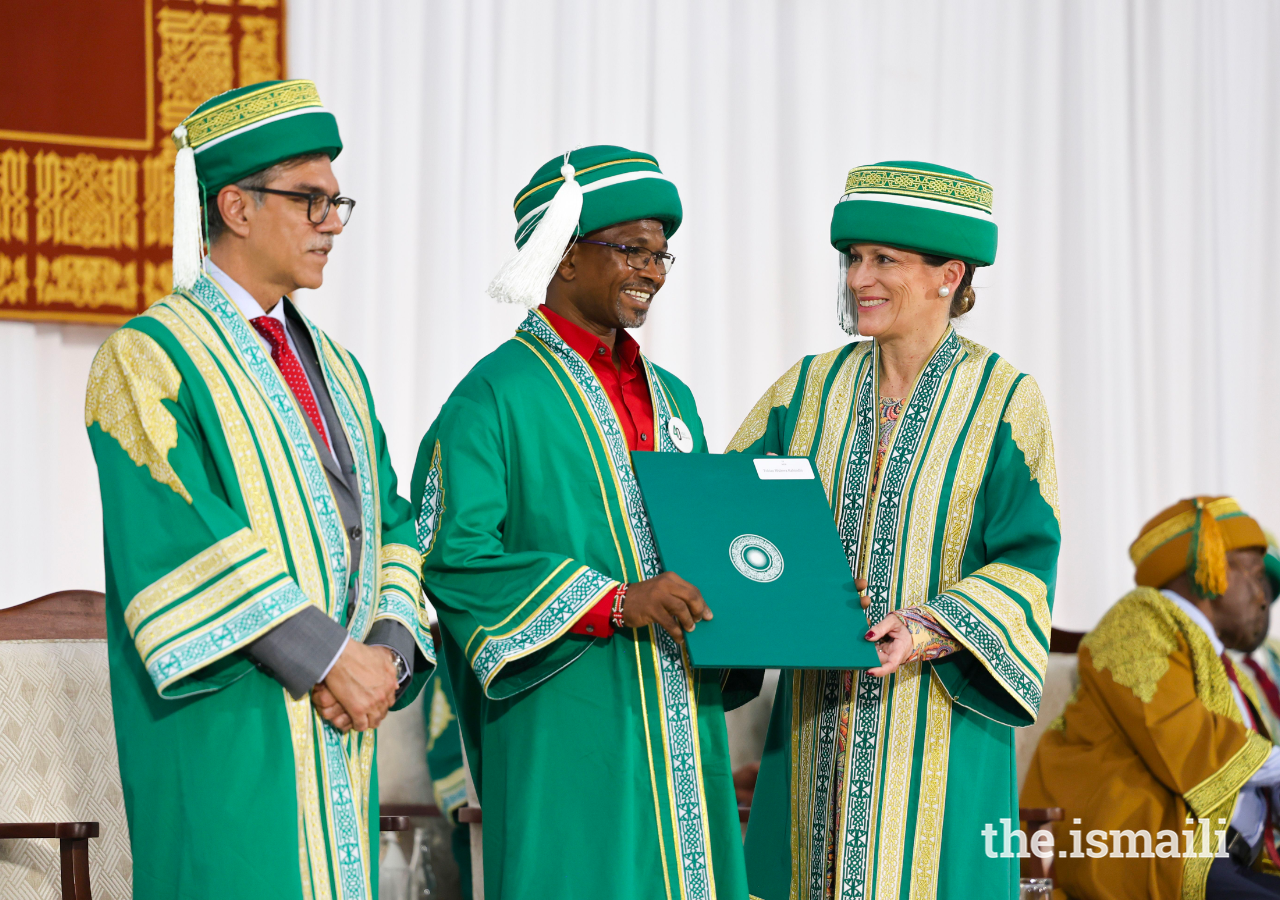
(870, 635)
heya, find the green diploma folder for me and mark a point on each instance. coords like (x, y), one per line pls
(756, 536)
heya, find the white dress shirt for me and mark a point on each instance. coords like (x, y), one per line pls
(251, 309)
(1251, 807)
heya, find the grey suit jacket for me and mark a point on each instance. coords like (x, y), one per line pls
(298, 651)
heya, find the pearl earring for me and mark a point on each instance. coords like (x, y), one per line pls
(944, 291)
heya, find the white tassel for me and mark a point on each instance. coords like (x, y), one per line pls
(846, 303)
(187, 243)
(524, 277)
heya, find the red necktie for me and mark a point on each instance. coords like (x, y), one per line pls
(1264, 681)
(1268, 834)
(291, 369)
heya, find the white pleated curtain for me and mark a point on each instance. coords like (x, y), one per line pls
(1133, 148)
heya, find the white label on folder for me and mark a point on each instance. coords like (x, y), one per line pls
(772, 468)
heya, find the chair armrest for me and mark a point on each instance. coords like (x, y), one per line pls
(69, 830)
(412, 810)
(471, 815)
(1040, 815)
(1038, 818)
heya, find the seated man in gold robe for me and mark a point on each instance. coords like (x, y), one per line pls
(1161, 760)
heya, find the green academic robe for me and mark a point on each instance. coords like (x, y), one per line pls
(602, 764)
(964, 522)
(219, 524)
(448, 777)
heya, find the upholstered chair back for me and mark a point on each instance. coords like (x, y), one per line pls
(58, 744)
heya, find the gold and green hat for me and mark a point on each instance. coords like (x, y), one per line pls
(252, 128)
(574, 194)
(1194, 536)
(917, 206)
(235, 134)
(618, 185)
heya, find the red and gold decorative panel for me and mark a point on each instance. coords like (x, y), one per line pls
(86, 164)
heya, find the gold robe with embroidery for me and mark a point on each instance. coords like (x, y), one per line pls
(1151, 738)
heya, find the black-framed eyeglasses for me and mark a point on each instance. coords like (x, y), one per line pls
(318, 204)
(639, 257)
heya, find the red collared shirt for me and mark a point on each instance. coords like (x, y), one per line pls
(628, 392)
(625, 383)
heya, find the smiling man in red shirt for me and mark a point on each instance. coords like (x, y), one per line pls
(600, 289)
(588, 733)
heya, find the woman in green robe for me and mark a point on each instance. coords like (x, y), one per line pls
(937, 459)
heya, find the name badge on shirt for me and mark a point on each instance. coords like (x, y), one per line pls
(680, 434)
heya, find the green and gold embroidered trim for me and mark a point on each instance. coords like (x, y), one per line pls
(1227, 781)
(195, 574)
(578, 174)
(756, 423)
(428, 523)
(450, 791)
(221, 120)
(401, 568)
(440, 717)
(1028, 420)
(917, 183)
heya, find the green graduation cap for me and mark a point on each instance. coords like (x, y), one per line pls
(577, 193)
(915, 206)
(235, 134)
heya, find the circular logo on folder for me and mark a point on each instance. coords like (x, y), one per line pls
(755, 557)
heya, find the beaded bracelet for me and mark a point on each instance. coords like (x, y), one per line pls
(615, 616)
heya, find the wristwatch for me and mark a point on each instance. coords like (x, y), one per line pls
(402, 667)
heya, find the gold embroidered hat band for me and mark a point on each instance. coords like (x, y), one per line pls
(917, 206)
(1194, 536)
(233, 135)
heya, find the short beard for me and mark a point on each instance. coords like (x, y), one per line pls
(626, 317)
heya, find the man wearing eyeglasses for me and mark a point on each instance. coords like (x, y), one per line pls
(263, 605)
(599, 755)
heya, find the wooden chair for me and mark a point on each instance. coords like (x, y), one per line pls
(1038, 820)
(1065, 641)
(67, 616)
(1042, 819)
(77, 619)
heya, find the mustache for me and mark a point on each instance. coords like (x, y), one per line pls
(325, 243)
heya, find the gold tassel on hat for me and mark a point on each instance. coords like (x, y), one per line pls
(1207, 555)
